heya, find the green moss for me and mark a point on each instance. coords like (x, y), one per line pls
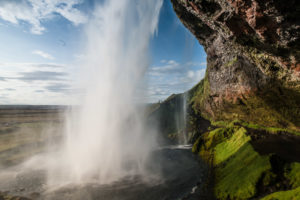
(238, 168)
(275, 105)
(219, 123)
(195, 145)
(226, 149)
(237, 178)
(231, 62)
(294, 175)
(218, 135)
(168, 116)
(271, 130)
(209, 140)
(198, 95)
(268, 178)
(284, 195)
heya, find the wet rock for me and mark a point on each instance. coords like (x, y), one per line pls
(253, 59)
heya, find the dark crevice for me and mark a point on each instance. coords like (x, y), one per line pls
(273, 180)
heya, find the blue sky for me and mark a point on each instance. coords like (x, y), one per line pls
(41, 49)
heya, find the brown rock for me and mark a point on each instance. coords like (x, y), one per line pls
(253, 56)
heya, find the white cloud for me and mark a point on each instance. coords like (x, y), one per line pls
(195, 75)
(43, 54)
(190, 74)
(172, 77)
(169, 67)
(35, 12)
(196, 64)
(172, 62)
(36, 83)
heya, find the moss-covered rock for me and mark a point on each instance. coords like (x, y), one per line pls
(240, 172)
(228, 148)
(237, 178)
(284, 195)
(294, 175)
(253, 60)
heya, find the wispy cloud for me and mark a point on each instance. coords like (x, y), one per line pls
(171, 77)
(36, 83)
(31, 66)
(58, 87)
(43, 54)
(173, 67)
(35, 12)
(9, 89)
(42, 76)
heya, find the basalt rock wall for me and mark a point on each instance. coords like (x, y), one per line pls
(253, 54)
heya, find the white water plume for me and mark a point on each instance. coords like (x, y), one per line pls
(184, 113)
(106, 140)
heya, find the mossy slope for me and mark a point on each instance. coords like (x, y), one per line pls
(284, 195)
(241, 172)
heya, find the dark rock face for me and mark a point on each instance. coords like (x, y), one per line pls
(253, 59)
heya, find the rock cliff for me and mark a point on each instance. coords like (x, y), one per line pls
(253, 54)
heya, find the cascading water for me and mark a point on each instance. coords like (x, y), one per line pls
(106, 139)
(106, 143)
(180, 118)
(184, 113)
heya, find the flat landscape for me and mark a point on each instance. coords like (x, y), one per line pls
(26, 130)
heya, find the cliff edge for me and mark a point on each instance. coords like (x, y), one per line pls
(253, 54)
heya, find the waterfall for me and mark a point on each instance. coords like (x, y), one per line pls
(106, 139)
(184, 113)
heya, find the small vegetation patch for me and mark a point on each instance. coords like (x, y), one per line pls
(294, 175)
(226, 149)
(241, 172)
(237, 178)
(231, 62)
(284, 195)
(271, 130)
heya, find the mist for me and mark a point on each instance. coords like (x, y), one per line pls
(106, 139)
(107, 147)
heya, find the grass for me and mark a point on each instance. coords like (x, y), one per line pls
(237, 178)
(215, 136)
(210, 140)
(198, 95)
(272, 130)
(168, 116)
(239, 170)
(226, 149)
(284, 195)
(195, 145)
(237, 166)
(26, 139)
(294, 175)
